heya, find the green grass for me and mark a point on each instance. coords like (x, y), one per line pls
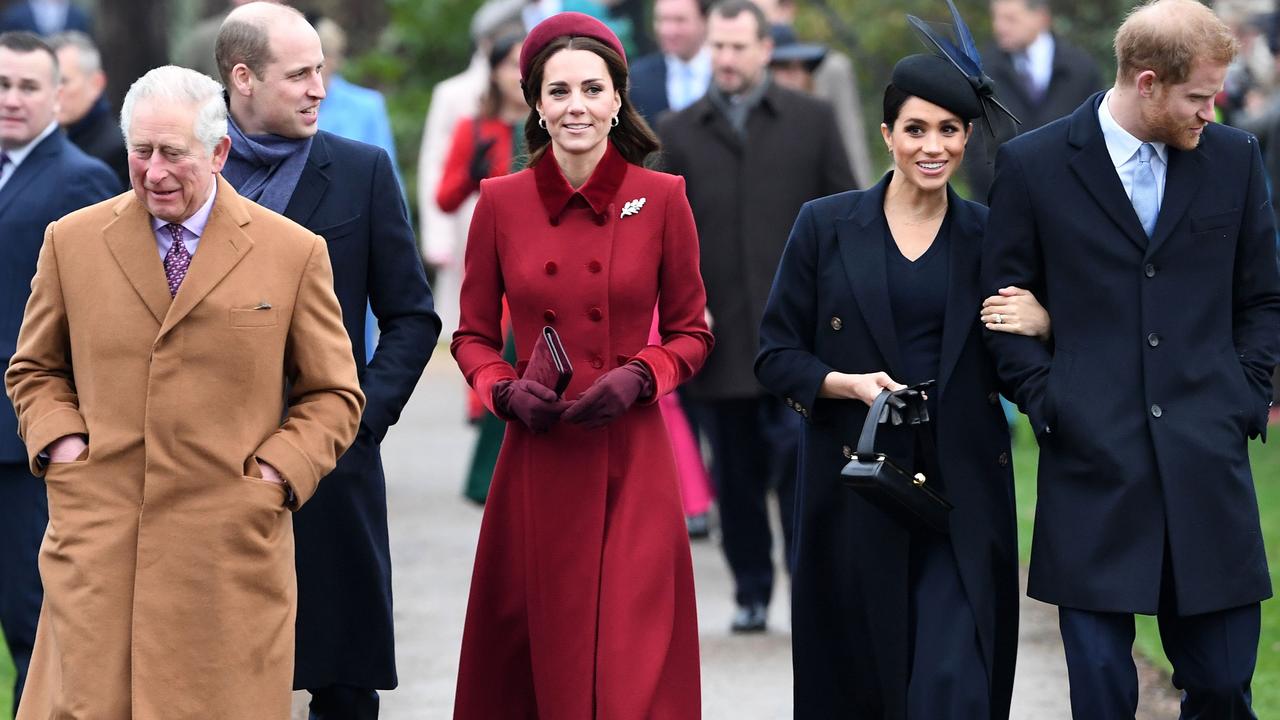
(1266, 474)
(7, 675)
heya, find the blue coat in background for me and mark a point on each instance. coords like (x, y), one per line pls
(20, 16)
(649, 87)
(1160, 368)
(55, 179)
(348, 194)
(829, 310)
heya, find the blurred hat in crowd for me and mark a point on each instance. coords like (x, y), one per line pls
(495, 17)
(566, 24)
(787, 48)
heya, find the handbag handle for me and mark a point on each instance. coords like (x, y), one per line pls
(867, 441)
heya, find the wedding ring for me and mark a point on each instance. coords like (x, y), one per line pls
(999, 319)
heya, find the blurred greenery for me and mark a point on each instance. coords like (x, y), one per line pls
(7, 676)
(1265, 459)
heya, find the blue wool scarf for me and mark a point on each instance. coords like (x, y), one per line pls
(265, 168)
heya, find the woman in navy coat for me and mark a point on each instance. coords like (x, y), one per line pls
(877, 289)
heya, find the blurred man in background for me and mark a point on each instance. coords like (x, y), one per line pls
(85, 115)
(679, 73)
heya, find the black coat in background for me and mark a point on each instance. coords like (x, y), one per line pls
(1160, 370)
(98, 135)
(745, 197)
(1075, 77)
(348, 194)
(829, 310)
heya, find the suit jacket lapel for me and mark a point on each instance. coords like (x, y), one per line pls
(26, 176)
(132, 243)
(861, 240)
(1092, 164)
(1182, 182)
(311, 185)
(221, 248)
(962, 286)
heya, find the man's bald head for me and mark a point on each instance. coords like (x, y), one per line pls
(245, 36)
(1168, 37)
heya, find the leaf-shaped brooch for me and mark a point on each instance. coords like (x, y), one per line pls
(631, 207)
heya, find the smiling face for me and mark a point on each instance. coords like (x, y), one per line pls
(578, 101)
(28, 96)
(927, 142)
(285, 99)
(1176, 114)
(170, 171)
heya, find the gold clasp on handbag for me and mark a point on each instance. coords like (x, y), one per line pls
(919, 479)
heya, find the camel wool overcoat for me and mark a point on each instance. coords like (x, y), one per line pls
(168, 560)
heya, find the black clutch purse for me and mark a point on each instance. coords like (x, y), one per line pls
(908, 498)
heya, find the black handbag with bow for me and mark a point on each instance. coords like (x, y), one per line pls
(908, 498)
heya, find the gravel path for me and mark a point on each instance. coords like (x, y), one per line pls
(433, 536)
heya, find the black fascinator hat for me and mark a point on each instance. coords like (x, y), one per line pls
(953, 46)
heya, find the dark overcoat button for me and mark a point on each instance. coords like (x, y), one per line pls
(1003, 459)
(1156, 411)
(595, 314)
(1149, 270)
(836, 323)
(993, 398)
(549, 315)
(594, 266)
(848, 451)
(1153, 339)
(550, 267)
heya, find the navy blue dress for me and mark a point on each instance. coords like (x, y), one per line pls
(877, 608)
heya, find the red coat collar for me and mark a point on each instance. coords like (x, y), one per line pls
(598, 191)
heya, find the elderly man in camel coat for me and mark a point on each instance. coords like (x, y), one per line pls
(182, 380)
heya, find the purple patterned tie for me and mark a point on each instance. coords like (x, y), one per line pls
(177, 260)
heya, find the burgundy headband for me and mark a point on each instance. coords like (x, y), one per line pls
(566, 24)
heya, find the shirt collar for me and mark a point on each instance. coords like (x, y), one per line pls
(17, 155)
(598, 191)
(198, 220)
(1040, 51)
(699, 64)
(1121, 145)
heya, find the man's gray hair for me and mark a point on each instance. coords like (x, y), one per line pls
(87, 54)
(186, 86)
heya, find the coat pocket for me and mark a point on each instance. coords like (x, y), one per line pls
(337, 231)
(253, 317)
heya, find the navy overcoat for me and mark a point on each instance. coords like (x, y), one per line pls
(829, 310)
(348, 194)
(1160, 368)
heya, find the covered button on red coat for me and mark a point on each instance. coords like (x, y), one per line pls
(550, 267)
(594, 266)
(597, 363)
(595, 314)
(549, 315)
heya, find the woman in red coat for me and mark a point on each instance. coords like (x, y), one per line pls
(582, 602)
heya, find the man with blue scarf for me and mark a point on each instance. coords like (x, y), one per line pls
(270, 61)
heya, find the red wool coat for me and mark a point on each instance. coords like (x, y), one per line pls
(582, 602)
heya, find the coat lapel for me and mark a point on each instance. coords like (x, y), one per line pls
(221, 248)
(1182, 182)
(962, 286)
(132, 243)
(861, 240)
(311, 185)
(27, 175)
(1092, 164)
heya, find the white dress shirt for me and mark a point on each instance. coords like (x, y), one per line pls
(1037, 61)
(17, 155)
(687, 81)
(1123, 149)
(50, 15)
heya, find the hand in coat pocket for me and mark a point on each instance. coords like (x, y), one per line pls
(68, 448)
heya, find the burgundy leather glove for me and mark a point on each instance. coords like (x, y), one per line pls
(610, 396)
(532, 403)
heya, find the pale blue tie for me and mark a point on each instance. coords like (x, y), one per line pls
(1146, 195)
